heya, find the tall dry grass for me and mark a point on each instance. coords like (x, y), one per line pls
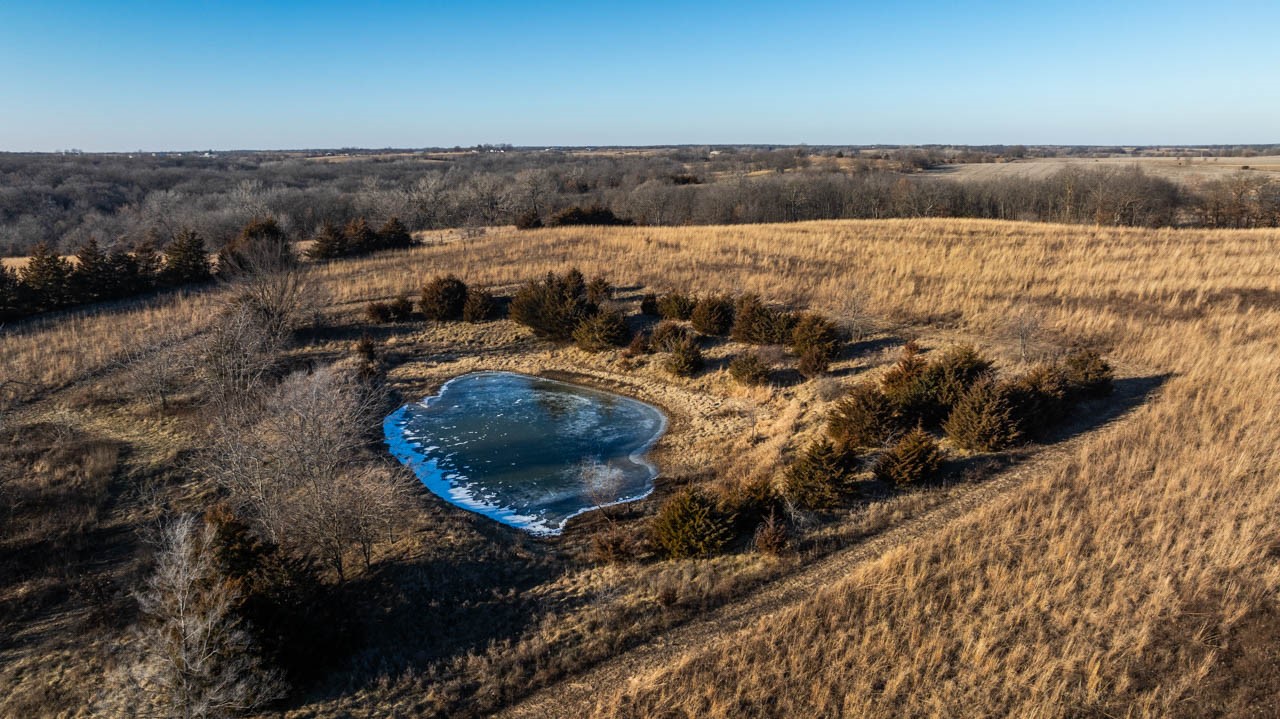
(51, 352)
(1113, 586)
(1107, 587)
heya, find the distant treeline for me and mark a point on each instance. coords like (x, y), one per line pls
(66, 200)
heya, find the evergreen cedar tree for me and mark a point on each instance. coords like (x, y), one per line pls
(984, 419)
(47, 278)
(554, 307)
(593, 215)
(480, 306)
(754, 323)
(864, 418)
(668, 335)
(675, 306)
(443, 298)
(914, 459)
(820, 477)
(186, 260)
(605, 330)
(330, 243)
(49, 281)
(749, 369)
(713, 315)
(689, 525)
(686, 359)
(262, 246)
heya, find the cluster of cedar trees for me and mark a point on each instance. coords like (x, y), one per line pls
(357, 238)
(890, 424)
(442, 299)
(49, 281)
(570, 217)
(889, 427)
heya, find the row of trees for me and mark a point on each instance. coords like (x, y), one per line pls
(49, 281)
(64, 201)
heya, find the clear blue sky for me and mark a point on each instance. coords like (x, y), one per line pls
(182, 74)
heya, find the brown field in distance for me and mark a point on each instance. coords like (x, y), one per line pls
(1189, 170)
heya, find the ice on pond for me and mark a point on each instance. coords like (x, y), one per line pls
(526, 451)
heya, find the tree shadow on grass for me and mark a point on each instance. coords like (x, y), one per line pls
(1127, 395)
(454, 602)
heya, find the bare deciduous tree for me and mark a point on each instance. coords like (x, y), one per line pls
(158, 369)
(294, 469)
(1024, 326)
(189, 656)
(234, 358)
(601, 485)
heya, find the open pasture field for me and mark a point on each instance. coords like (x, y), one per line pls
(1130, 567)
(1188, 170)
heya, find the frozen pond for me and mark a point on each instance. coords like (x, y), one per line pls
(526, 451)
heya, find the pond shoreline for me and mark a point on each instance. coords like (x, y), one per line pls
(434, 468)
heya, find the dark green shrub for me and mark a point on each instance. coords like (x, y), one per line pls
(185, 260)
(554, 307)
(952, 372)
(443, 298)
(401, 308)
(599, 291)
(983, 420)
(675, 306)
(604, 330)
(1087, 374)
(480, 306)
(864, 418)
(820, 477)
(329, 243)
(750, 369)
(593, 215)
(528, 220)
(909, 388)
(754, 323)
(668, 335)
(261, 247)
(360, 237)
(685, 360)
(713, 315)
(1039, 399)
(813, 362)
(689, 525)
(378, 312)
(749, 501)
(913, 459)
(393, 235)
(639, 345)
(649, 305)
(817, 336)
(47, 278)
(575, 283)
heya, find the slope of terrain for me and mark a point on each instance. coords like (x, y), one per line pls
(1128, 571)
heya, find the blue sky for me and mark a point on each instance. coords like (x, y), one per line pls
(228, 75)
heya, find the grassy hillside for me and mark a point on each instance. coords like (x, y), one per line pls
(1133, 573)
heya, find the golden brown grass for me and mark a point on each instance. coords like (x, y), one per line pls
(1108, 586)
